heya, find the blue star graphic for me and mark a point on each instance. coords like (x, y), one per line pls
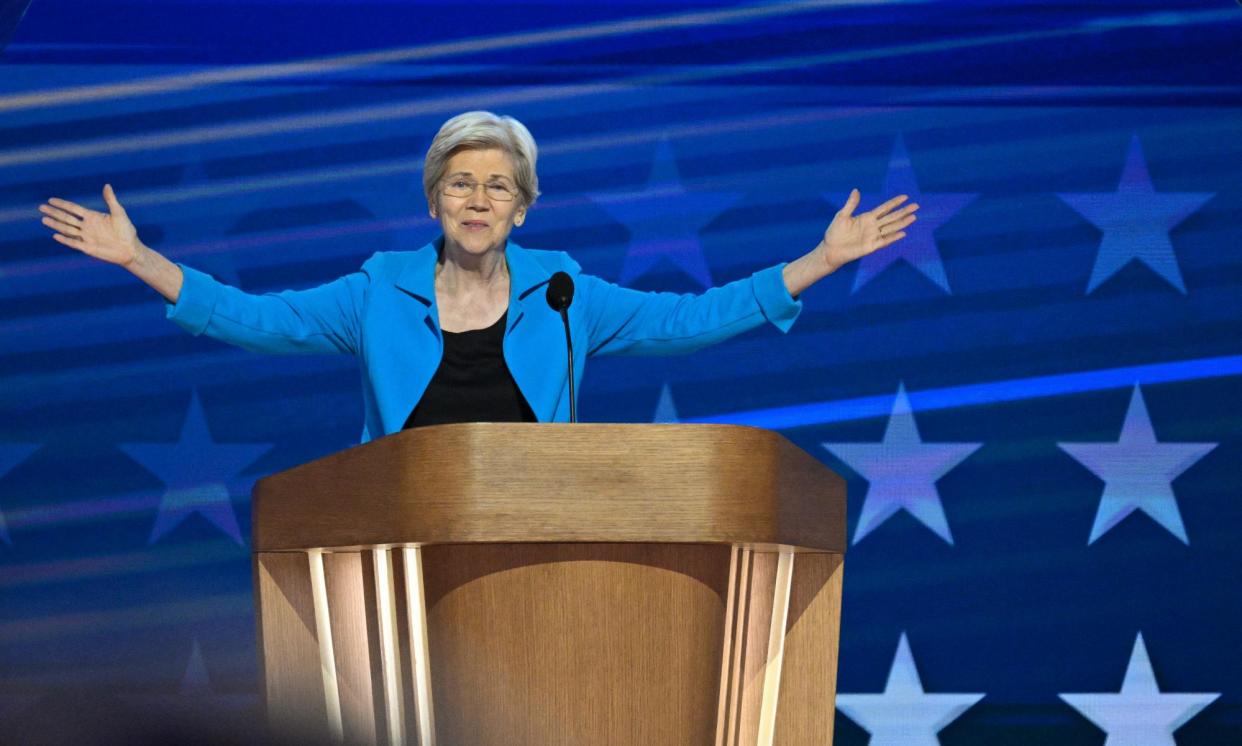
(1140, 714)
(902, 471)
(195, 701)
(195, 470)
(1138, 472)
(666, 410)
(918, 248)
(664, 220)
(904, 714)
(12, 454)
(195, 680)
(1136, 222)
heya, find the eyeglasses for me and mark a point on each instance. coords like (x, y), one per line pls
(493, 190)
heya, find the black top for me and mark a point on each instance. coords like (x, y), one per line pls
(472, 384)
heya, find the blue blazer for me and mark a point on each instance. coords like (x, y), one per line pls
(385, 316)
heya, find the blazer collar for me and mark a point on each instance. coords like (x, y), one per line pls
(418, 277)
(526, 275)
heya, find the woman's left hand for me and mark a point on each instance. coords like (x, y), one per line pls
(851, 236)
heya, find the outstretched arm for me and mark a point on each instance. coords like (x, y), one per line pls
(850, 237)
(111, 237)
(622, 321)
(325, 319)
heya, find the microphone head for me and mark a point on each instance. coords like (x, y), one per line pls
(560, 291)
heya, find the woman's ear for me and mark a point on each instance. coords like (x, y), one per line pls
(520, 217)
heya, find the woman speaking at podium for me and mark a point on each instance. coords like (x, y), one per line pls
(463, 329)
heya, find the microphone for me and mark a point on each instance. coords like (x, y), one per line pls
(560, 291)
(560, 296)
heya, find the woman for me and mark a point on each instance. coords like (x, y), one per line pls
(460, 330)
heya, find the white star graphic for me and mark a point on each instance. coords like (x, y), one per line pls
(195, 470)
(664, 220)
(902, 471)
(12, 454)
(904, 715)
(1140, 714)
(1138, 472)
(1136, 222)
(918, 248)
(666, 410)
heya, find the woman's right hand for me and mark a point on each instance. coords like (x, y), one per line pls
(108, 236)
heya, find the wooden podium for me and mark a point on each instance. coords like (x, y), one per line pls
(469, 585)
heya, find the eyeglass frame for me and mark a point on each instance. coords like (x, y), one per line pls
(512, 191)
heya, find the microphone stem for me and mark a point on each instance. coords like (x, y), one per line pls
(569, 343)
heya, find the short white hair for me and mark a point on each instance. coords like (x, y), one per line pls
(483, 129)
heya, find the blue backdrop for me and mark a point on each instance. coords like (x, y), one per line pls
(1035, 398)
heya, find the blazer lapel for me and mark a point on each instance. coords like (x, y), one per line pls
(418, 281)
(526, 277)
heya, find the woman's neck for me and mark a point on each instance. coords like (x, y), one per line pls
(459, 270)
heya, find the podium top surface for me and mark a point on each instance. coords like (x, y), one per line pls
(521, 482)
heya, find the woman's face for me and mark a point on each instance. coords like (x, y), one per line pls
(478, 223)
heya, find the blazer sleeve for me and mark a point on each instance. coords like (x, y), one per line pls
(326, 319)
(621, 321)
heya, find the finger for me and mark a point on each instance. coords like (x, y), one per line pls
(114, 205)
(72, 207)
(884, 209)
(61, 215)
(66, 240)
(908, 209)
(851, 203)
(891, 226)
(57, 225)
(890, 239)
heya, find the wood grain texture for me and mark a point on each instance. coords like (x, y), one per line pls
(518, 482)
(583, 584)
(575, 644)
(416, 665)
(390, 647)
(371, 602)
(566, 644)
(352, 645)
(731, 651)
(289, 647)
(809, 679)
(754, 591)
(775, 648)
